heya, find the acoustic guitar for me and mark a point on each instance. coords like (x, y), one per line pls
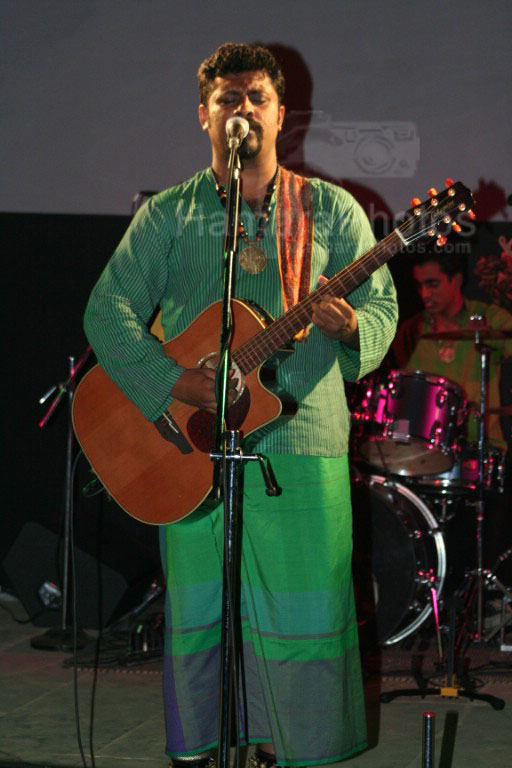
(160, 472)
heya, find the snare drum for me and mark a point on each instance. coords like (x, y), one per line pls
(414, 424)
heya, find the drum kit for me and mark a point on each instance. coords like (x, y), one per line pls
(419, 494)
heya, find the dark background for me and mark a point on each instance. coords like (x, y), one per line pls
(52, 263)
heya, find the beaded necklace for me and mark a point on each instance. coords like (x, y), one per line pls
(252, 257)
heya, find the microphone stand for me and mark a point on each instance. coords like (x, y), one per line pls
(227, 468)
(228, 461)
(61, 638)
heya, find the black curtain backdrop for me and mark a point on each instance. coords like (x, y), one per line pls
(52, 264)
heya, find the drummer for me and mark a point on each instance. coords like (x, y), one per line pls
(439, 279)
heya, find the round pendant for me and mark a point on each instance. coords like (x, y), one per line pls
(252, 258)
(447, 353)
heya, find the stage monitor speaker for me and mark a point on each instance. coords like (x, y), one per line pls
(104, 592)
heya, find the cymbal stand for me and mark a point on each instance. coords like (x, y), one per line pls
(480, 504)
(482, 578)
(456, 683)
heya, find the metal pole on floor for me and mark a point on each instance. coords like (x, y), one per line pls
(429, 720)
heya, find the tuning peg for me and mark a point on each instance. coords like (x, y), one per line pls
(415, 201)
(432, 192)
(441, 240)
(471, 214)
(456, 227)
(448, 183)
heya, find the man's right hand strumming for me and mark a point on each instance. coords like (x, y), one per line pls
(196, 386)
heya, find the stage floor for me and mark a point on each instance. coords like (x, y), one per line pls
(121, 707)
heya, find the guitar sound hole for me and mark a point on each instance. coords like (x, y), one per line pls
(201, 425)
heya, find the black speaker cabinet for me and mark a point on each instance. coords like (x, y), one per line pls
(110, 581)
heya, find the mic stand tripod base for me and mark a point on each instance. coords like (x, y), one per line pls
(58, 639)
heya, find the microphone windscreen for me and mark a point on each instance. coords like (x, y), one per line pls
(237, 128)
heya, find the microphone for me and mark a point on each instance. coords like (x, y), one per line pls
(237, 129)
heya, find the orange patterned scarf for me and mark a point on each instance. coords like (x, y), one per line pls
(294, 223)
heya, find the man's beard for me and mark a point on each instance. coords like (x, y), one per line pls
(251, 145)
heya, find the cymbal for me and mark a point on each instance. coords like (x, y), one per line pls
(468, 334)
(503, 410)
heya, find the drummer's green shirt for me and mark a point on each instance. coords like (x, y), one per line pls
(171, 257)
(459, 361)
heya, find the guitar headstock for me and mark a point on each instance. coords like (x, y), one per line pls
(435, 217)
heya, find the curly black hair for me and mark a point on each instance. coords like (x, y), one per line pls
(231, 58)
(449, 263)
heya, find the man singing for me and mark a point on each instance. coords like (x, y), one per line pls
(303, 694)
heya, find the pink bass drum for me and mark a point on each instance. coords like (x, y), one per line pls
(411, 424)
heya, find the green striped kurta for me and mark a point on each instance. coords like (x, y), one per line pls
(171, 256)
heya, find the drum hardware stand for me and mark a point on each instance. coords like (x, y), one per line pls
(455, 672)
(451, 688)
(433, 585)
(506, 617)
(446, 515)
(493, 582)
(480, 575)
(64, 638)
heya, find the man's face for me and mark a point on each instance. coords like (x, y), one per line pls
(250, 95)
(439, 292)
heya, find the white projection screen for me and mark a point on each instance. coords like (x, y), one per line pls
(100, 97)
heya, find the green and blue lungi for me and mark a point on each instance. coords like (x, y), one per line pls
(299, 630)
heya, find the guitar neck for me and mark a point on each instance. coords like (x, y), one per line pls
(262, 346)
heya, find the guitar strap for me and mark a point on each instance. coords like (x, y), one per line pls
(294, 227)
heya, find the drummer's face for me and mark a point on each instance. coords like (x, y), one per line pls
(440, 293)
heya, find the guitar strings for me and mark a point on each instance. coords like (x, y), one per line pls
(352, 273)
(265, 343)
